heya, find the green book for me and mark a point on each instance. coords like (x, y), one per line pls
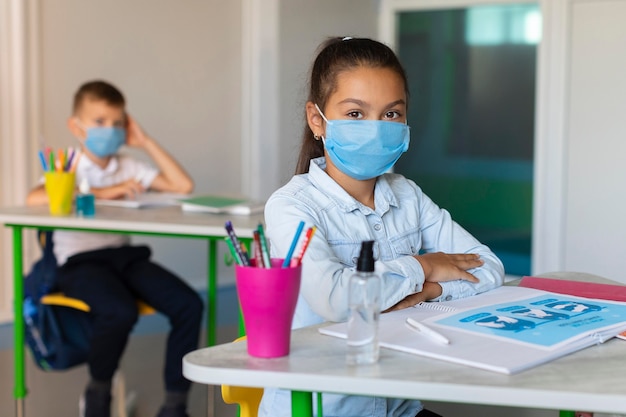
(222, 205)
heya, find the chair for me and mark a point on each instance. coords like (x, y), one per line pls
(247, 398)
(123, 402)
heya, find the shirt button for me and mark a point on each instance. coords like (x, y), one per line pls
(377, 227)
(448, 297)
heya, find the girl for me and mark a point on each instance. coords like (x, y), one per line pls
(356, 130)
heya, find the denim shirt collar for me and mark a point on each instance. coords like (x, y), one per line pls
(384, 197)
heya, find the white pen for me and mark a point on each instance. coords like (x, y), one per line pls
(426, 331)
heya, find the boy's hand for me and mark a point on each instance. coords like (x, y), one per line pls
(127, 189)
(439, 267)
(135, 136)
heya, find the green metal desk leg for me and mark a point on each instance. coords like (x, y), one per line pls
(18, 327)
(301, 404)
(211, 322)
(319, 405)
(564, 413)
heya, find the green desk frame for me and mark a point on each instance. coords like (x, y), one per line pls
(20, 389)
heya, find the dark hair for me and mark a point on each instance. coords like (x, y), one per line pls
(336, 56)
(98, 90)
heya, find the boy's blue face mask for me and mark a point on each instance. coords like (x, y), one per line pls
(365, 149)
(105, 141)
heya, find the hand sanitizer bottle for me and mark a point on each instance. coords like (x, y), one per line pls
(364, 302)
(85, 201)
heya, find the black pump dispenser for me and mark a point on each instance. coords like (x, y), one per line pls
(365, 262)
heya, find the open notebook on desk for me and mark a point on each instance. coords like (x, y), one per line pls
(145, 200)
(506, 330)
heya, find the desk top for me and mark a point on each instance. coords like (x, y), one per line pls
(157, 220)
(591, 379)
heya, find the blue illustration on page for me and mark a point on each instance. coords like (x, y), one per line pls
(544, 320)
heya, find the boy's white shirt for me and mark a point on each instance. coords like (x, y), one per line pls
(120, 168)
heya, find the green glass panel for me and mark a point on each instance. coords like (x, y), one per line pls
(471, 110)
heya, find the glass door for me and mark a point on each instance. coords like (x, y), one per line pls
(472, 82)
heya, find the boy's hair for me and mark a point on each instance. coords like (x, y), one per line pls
(338, 55)
(98, 90)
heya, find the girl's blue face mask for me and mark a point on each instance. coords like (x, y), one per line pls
(105, 141)
(365, 149)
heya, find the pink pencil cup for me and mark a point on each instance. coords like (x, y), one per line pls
(268, 298)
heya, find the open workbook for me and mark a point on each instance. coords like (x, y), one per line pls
(506, 330)
(145, 200)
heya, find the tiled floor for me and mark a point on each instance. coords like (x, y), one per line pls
(56, 394)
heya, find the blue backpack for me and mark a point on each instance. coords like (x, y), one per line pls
(57, 336)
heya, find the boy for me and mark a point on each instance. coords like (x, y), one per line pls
(107, 272)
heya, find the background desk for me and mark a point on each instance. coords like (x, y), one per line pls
(591, 379)
(168, 221)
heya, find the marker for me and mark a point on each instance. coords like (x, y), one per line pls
(267, 262)
(294, 242)
(258, 256)
(42, 159)
(60, 164)
(70, 157)
(426, 331)
(231, 248)
(77, 156)
(244, 249)
(51, 156)
(305, 245)
(236, 245)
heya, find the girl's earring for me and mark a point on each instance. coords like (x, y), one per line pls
(317, 137)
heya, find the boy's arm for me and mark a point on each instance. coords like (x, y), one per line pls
(37, 196)
(172, 177)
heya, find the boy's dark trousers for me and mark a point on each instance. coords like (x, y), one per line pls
(110, 281)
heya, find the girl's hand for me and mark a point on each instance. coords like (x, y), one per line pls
(429, 291)
(439, 267)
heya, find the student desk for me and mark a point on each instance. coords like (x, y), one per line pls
(164, 221)
(591, 379)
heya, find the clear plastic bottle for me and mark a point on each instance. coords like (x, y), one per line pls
(364, 301)
(85, 200)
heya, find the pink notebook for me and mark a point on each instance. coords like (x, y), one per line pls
(577, 288)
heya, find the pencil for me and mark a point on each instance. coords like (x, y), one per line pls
(307, 239)
(294, 242)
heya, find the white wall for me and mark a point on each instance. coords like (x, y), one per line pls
(595, 230)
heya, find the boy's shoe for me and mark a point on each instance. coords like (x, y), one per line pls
(177, 411)
(97, 403)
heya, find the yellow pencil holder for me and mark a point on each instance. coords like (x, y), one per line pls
(60, 189)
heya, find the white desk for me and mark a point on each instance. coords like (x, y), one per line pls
(591, 379)
(169, 221)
